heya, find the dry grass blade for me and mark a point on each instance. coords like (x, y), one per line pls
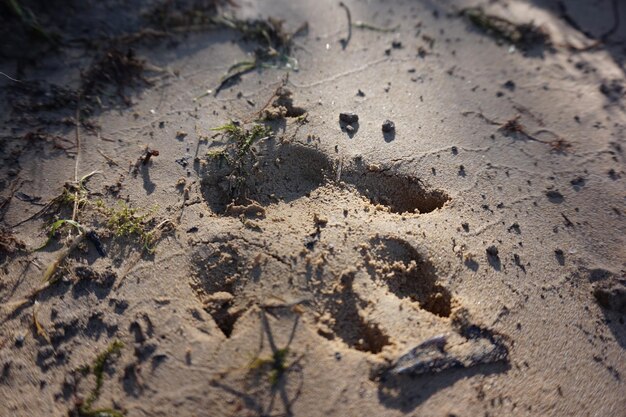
(52, 268)
(41, 331)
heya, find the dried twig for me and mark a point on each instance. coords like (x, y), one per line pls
(344, 41)
(108, 158)
(77, 121)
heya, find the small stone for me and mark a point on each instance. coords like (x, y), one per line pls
(555, 196)
(349, 117)
(388, 126)
(509, 85)
(396, 44)
(611, 296)
(360, 93)
(492, 251)
(320, 220)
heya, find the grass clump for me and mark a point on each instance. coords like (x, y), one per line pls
(97, 369)
(126, 221)
(275, 366)
(231, 164)
(237, 154)
(242, 138)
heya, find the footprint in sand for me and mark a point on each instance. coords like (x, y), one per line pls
(375, 293)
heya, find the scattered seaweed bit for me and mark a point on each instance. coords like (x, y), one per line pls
(85, 408)
(117, 68)
(524, 35)
(274, 51)
(344, 41)
(368, 26)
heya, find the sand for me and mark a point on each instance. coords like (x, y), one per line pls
(468, 261)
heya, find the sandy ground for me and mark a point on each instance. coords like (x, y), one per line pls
(486, 231)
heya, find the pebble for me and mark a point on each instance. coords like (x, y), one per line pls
(492, 251)
(349, 117)
(388, 126)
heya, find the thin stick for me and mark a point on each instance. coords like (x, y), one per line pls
(75, 210)
(108, 158)
(10, 78)
(344, 42)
